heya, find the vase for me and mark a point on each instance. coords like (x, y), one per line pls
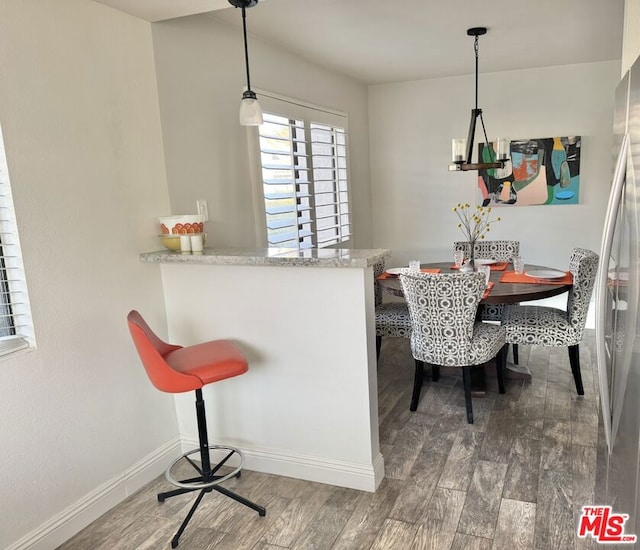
(472, 255)
(470, 264)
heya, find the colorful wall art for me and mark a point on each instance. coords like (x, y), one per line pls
(540, 171)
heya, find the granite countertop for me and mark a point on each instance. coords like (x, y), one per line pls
(315, 257)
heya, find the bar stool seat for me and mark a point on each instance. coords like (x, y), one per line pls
(178, 369)
(208, 362)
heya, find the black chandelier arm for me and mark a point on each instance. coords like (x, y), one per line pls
(472, 133)
(484, 130)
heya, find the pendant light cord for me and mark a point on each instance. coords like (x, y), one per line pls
(476, 48)
(246, 48)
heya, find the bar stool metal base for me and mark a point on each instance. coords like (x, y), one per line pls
(207, 479)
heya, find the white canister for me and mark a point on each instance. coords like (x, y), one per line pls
(197, 245)
(185, 244)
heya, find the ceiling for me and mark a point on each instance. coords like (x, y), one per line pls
(380, 41)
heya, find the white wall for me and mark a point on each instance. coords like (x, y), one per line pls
(201, 75)
(631, 36)
(79, 112)
(411, 126)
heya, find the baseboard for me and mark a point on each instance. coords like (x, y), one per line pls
(73, 519)
(310, 468)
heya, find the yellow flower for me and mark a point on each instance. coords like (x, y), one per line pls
(474, 223)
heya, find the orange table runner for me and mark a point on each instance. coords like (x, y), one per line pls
(498, 266)
(513, 277)
(488, 290)
(387, 275)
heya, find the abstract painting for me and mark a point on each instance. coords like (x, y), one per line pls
(540, 171)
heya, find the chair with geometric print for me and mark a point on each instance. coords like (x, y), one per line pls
(549, 326)
(445, 332)
(392, 318)
(500, 251)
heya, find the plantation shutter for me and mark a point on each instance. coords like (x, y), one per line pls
(303, 174)
(16, 327)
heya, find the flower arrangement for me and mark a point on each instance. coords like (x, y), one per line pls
(475, 223)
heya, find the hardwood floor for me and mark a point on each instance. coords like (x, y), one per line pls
(515, 479)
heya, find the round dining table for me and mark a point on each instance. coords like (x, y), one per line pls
(500, 293)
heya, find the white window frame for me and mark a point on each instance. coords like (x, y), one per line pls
(322, 198)
(16, 323)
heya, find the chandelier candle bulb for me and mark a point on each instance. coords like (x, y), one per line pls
(502, 146)
(458, 149)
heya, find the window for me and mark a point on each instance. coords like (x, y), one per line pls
(16, 327)
(304, 176)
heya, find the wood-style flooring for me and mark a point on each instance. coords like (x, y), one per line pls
(515, 479)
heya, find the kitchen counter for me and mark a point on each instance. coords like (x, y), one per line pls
(308, 407)
(316, 257)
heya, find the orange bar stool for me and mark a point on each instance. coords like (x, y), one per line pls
(177, 369)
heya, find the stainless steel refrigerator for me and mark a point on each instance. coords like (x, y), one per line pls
(618, 312)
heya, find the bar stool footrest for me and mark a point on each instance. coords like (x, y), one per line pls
(206, 480)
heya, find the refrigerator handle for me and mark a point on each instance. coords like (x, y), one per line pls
(601, 283)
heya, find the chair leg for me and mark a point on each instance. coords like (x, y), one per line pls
(417, 385)
(574, 359)
(176, 537)
(435, 373)
(466, 381)
(501, 360)
(515, 354)
(378, 346)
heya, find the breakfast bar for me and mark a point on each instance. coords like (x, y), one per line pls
(308, 406)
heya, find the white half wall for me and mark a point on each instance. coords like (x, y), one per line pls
(411, 129)
(308, 407)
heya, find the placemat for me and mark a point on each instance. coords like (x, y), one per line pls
(513, 277)
(490, 285)
(498, 266)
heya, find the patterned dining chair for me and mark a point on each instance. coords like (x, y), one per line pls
(500, 251)
(548, 326)
(445, 332)
(392, 318)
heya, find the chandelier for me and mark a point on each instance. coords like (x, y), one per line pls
(462, 149)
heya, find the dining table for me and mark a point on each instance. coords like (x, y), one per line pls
(504, 287)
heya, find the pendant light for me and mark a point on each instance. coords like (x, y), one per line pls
(462, 149)
(250, 110)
